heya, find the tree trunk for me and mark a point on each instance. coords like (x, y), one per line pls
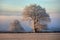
(36, 25)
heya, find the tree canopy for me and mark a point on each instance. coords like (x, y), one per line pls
(37, 13)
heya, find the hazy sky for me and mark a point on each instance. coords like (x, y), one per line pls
(18, 5)
(52, 7)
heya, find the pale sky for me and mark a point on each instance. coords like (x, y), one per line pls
(51, 6)
(18, 5)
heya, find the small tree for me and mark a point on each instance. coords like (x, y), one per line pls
(37, 13)
(15, 26)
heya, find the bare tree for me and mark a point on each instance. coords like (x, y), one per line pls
(38, 14)
(15, 26)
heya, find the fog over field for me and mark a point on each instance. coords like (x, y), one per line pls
(11, 10)
(8, 17)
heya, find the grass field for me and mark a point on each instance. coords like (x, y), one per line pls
(29, 36)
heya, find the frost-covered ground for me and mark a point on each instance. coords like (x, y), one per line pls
(30, 36)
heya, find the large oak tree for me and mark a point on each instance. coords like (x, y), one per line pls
(38, 15)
